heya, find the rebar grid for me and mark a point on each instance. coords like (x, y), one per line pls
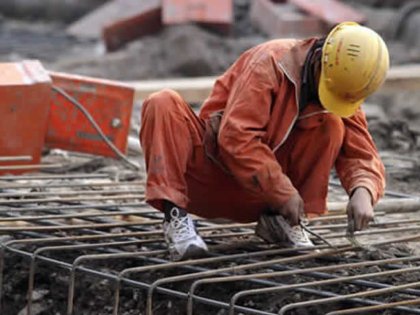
(88, 224)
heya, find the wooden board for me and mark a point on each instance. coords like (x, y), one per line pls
(402, 78)
(204, 11)
(330, 11)
(195, 90)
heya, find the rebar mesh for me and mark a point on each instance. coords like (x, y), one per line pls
(96, 247)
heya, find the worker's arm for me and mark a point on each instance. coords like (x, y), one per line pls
(360, 170)
(360, 208)
(241, 134)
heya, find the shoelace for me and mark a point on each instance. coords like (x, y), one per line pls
(182, 226)
(297, 233)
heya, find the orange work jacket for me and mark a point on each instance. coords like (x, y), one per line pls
(251, 111)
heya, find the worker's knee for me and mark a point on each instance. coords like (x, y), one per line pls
(162, 102)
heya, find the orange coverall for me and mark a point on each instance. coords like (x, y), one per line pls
(250, 149)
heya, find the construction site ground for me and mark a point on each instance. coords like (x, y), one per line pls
(190, 51)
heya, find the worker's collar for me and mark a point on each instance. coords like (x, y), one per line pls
(293, 61)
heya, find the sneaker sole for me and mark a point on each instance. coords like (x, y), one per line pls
(194, 252)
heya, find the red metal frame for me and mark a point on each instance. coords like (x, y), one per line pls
(109, 103)
(24, 105)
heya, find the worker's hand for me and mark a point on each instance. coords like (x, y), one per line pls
(360, 208)
(293, 210)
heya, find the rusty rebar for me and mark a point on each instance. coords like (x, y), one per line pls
(113, 242)
(28, 167)
(363, 294)
(100, 206)
(52, 176)
(76, 216)
(359, 310)
(71, 199)
(217, 259)
(234, 269)
(15, 158)
(69, 185)
(284, 273)
(69, 193)
(319, 283)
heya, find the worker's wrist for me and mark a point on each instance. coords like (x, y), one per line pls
(363, 190)
(280, 199)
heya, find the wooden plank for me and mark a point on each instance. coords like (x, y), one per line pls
(402, 78)
(184, 11)
(385, 205)
(284, 20)
(194, 90)
(330, 11)
(215, 14)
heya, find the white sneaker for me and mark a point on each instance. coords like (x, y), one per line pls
(275, 229)
(181, 237)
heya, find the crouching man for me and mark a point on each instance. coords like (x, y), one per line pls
(276, 122)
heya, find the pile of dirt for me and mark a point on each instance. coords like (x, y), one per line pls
(394, 125)
(394, 135)
(178, 51)
(34, 40)
(189, 51)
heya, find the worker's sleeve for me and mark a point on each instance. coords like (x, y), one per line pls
(242, 131)
(359, 164)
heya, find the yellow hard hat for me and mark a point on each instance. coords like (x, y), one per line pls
(354, 64)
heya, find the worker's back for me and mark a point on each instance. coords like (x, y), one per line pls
(221, 92)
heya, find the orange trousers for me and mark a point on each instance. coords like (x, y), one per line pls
(178, 169)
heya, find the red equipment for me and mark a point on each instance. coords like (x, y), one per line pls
(109, 103)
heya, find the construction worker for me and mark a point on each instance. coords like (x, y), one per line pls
(276, 122)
